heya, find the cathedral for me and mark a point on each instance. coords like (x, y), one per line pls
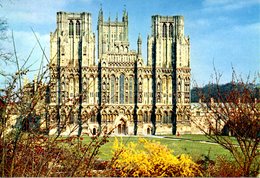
(108, 84)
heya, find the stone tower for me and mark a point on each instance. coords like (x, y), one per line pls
(72, 52)
(73, 40)
(72, 47)
(112, 35)
(169, 55)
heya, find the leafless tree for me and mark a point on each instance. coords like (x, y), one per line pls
(26, 149)
(234, 120)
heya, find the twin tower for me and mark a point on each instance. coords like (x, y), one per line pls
(121, 91)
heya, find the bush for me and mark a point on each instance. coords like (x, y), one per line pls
(221, 167)
(147, 158)
(37, 155)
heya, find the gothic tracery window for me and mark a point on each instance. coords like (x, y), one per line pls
(78, 28)
(122, 88)
(112, 89)
(126, 91)
(171, 30)
(71, 30)
(131, 90)
(164, 34)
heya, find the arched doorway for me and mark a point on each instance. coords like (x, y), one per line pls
(122, 128)
(148, 131)
(94, 131)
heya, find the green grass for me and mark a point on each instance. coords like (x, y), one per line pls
(190, 137)
(190, 145)
(201, 138)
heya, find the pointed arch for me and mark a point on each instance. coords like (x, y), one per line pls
(171, 30)
(112, 89)
(131, 89)
(140, 116)
(164, 34)
(71, 30)
(128, 114)
(165, 117)
(94, 132)
(110, 116)
(145, 117)
(122, 88)
(148, 131)
(126, 90)
(158, 115)
(92, 117)
(77, 28)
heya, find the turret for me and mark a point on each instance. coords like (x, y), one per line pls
(180, 25)
(100, 31)
(61, 21)
(139, 45)
(100, 15)
(125, 16)
(116, 38)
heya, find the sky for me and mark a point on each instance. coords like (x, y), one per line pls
(223, 33)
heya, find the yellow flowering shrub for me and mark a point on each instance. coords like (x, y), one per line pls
(150, 158)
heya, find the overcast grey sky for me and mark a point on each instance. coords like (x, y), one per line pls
(224, 31)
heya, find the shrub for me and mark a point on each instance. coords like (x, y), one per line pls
(222, 167)
(234, 113)
(34, 155)
(147, 158)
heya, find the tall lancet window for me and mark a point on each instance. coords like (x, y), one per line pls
(164, 30)
(171, 30)
(78, 28)
(122, 88)
(131, 99)
(112, 89)
(71, 30)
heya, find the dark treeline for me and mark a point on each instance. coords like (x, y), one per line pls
(215, 91)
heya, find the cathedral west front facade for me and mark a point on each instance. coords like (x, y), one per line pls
(121, 91)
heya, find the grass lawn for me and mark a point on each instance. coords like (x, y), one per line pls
(198, 138)
(190, 137)
(191, 146)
